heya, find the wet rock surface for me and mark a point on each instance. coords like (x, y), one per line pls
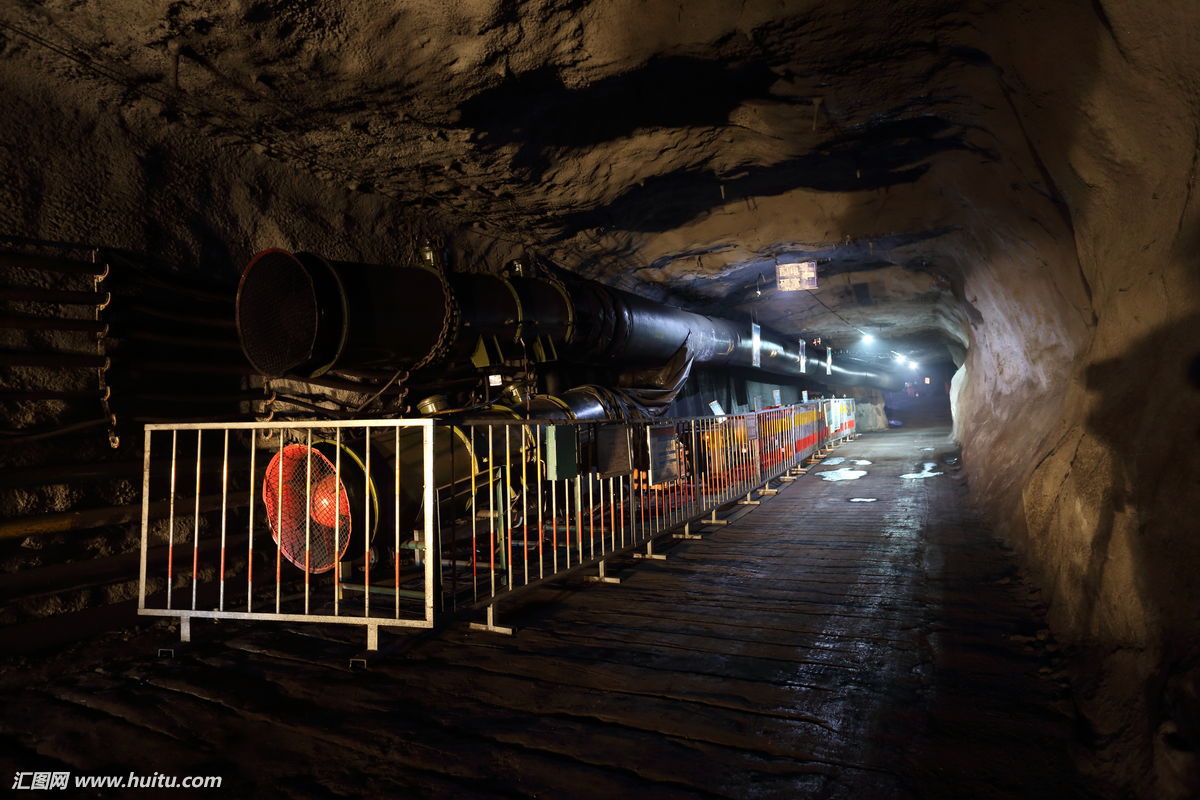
(813, 648)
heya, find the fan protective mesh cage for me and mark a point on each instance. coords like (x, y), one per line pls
(324, 519)
(277, 313)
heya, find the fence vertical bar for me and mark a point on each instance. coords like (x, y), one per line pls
(367, 524)
(250, 528)
(567, 494)
(621, 493)
(196, 520)
(396, 518)
(537, 444)
(428, 506)
(337, 522)
(524, 506)
(224, 520)
(491, 492)
(146, 524)
(308, 459)
(279, 528)
(578, 519)
(508, 565)
(697, 500)
(170, 511)
(553, 525)
(614, 511)
(474, 508)
(592, 522)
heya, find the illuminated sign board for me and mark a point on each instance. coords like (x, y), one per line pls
(796, 277)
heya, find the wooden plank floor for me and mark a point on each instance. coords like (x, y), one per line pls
(817, 647)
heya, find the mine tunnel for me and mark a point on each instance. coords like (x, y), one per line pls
(600, 398)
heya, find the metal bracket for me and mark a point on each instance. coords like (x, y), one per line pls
(185, 629)
(600, 577)
(650, 554)
(748, 501)
(490, 626)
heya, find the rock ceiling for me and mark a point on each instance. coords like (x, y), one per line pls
(676, 149)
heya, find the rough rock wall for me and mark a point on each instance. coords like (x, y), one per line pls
(82, 161)
(1104, 494)
(869, 414)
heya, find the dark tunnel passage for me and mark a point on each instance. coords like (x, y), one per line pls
(878, 320)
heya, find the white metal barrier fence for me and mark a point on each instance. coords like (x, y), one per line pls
(386, 523)
(839, 419)
(547, 497)
(332, 513)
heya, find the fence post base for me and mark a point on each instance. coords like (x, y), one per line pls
(600, 577)
(650, 554)
(490, 626)
(185, 629)
(712, 520)
(766, 489)
(747, 501)
(372, 637)
(687, 532)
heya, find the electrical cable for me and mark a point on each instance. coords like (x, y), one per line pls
(832, 311)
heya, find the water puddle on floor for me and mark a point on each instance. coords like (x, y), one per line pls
(928, 449)
(832, 461)
(843, 474)
(863, 499)
(860, 462)
(926, 471)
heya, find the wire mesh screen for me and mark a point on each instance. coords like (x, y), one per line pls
(307, 507)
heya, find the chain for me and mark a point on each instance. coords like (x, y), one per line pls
(114, 441)
(450, 321)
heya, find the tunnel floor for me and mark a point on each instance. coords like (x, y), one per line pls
(819, 646)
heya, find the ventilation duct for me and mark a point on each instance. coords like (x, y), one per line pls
(299, 314)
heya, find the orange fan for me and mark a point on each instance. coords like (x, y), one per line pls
(320, 517)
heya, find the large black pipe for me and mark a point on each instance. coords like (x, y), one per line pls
(621, 327)
(299, 314)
